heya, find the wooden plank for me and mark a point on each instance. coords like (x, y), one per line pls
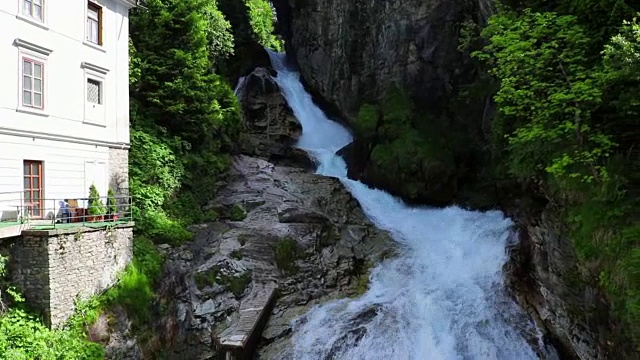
(242, 336)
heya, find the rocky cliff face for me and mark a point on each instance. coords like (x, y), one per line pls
(562, 296)
(355, 52)
(292, 229)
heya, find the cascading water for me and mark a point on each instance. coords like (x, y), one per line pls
(441, 298)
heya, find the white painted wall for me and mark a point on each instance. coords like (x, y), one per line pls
(68, 168)
(68, 132)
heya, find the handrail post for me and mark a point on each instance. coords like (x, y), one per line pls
(21, 207)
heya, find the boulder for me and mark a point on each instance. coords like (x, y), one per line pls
(270, 127)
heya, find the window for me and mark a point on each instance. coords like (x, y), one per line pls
(33, 196)
(95, 83)
(94, 91)
(32, 8)
(94, 23)
(32, 83)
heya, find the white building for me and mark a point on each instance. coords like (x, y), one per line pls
(64, 101)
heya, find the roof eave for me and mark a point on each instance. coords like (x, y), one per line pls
(131, 3)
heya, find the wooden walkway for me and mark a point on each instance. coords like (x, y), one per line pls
(239, 340)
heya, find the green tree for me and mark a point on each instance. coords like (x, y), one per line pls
(185, 117)
(546, 97)
(261, 17)
(567, 121)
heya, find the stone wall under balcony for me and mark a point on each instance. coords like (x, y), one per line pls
(53, 267)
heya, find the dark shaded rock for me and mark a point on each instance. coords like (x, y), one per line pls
(354, 51)
(564, 298)
(294, 157)
(248, 53)
(271, 128)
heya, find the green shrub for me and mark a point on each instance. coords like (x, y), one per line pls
(261, 17)
(112, 205)
(286, 252)
(96, 206)
(368, 119)
(236, 254)
(238, 213)
(147, 258)
(25, 337)
(237, 284)
(568, 124)
(156, 225)
(207, 277)
(133, 292)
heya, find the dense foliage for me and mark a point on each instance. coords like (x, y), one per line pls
(184, 118)
(23, 336)
(184, 123)
(567, 125)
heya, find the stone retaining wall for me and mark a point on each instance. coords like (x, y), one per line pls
(52, 267)
(119, 171)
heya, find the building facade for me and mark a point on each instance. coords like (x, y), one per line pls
(64, 101)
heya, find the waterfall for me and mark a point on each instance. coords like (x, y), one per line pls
(238, 91)
(442, 297)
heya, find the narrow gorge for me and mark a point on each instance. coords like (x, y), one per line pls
(365, 265)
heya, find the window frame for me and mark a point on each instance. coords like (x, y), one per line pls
(33, 92)
(91, 5)
(98, 74)
(38, 54)
(100, 82)
(31, 13)
(31, 189)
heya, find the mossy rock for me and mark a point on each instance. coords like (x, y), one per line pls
(286, 253)
(235, 284)
(238, 213)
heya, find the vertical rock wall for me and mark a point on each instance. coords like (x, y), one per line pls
(354, 51)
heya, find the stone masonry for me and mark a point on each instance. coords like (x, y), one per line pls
(53, 267)
(119, 170)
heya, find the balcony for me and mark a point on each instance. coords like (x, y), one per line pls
(18, 214)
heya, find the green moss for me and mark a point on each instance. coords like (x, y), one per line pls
(286, 252)
(362, 272)
(397, 106)
(206, 278)
(368, 119)
(238, 213)
(243, 239)
(236, 284)
(236, 254)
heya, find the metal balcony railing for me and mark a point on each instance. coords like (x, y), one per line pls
(17, 208)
